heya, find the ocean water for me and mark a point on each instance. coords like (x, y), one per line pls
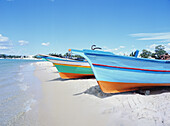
(19, 90)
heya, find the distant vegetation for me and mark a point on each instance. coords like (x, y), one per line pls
(11, 56)
(56, 55)
(159, 50)
(66, 55)
(146, 54)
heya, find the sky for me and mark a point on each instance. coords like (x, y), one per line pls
(30, 27)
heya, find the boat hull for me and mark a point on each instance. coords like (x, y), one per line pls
(116, 87)
(74, 75)
(120, 73)
(70, 69)
(114, 80)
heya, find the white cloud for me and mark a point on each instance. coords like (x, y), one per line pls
(5, 43)
(107, 49)
(45, 44)
(4, 47)
(161, 37)
(112, 50)
(122, 53)
(133, 50)
(121, 47)
(3, 38)
(167, 47)
(152, 47)
(115, 50)
(23, 42)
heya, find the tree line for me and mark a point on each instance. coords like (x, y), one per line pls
(4, 56)
(159, 51)
(67, 55)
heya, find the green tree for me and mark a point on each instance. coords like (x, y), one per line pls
(66, 54)
(145, 53)
(153, 55)
(3, 56)
(159, 50)
(56, 55)
(78, 56)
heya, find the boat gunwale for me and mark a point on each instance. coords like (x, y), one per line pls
(61, 59)
(102, 53)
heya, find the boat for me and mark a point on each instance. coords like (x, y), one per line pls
(70, 68)
(116, 73)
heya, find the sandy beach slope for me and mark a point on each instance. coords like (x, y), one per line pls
(81, 103)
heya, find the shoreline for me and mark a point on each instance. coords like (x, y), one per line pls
(20, 97)
(21, 59)
(80, 102)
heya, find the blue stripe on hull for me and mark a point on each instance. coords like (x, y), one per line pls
(115, 75)
(134, 70)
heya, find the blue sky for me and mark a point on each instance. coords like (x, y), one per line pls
(29, 27)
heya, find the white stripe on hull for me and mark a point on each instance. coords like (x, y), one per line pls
(69, 62)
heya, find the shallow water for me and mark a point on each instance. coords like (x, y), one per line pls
(19, 89)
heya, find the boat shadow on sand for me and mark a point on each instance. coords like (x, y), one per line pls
(96, 91)
(60, 79)
(55, 72)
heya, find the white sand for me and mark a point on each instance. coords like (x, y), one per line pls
(78, 103)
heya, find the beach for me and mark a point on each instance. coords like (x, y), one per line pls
(80, 102)
(63, 101)
(35, 95)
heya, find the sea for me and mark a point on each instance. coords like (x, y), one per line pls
(19, 90)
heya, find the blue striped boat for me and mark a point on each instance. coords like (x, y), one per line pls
(116, 73)
(69, 68)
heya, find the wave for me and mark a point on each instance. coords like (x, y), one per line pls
(21, 79)
(6, 84)
(28, 104)
(19, 73)
(23, 86)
